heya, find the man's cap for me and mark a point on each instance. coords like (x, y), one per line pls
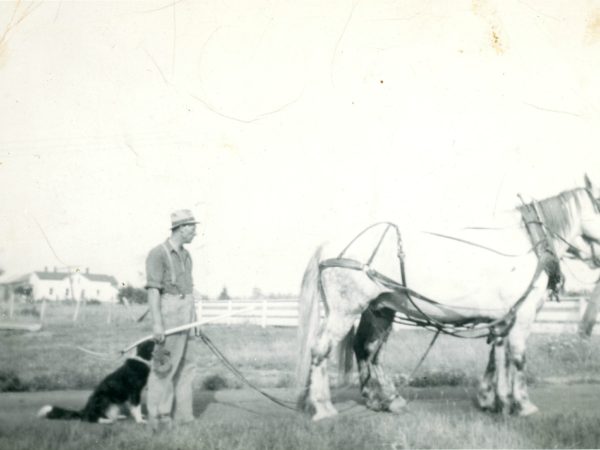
(182, 217)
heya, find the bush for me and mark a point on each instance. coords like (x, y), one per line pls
(10, 382)
(30, 311)
(133, 294)
(439, 378)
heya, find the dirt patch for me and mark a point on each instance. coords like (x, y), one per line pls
(19, 408)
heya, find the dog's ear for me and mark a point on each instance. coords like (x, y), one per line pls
(145, 349)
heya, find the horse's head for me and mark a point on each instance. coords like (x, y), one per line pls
(593, 190)
(586, 246)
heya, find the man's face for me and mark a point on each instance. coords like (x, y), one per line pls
(188, 232)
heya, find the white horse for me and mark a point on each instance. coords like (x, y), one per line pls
(457, 283)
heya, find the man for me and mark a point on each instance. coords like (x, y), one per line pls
(171, 303)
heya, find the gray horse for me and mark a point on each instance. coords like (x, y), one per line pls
(500, 290)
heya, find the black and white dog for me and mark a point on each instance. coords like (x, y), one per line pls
(121, 388)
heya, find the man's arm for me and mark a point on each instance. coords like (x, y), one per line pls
(158, 327)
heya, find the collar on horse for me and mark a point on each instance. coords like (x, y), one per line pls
(543, 247)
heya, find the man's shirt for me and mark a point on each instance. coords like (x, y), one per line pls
(168, 270)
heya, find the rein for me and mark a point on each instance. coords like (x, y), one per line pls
(228, 364)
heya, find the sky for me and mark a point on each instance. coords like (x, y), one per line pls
(281, 125)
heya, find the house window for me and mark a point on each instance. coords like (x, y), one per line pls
(98, 292)
(50, 291)
(66, 292)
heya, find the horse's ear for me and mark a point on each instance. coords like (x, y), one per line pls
(588, 183)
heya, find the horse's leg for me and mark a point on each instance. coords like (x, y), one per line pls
(517, 340)
(486, 393)
(586, 326)
(378, 390)
(347, 294)
(504, 386)
(502, 377)
(494, 393)
(319, 394)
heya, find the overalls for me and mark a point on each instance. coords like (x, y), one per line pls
(170, 394)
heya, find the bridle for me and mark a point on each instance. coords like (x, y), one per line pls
(574, 251)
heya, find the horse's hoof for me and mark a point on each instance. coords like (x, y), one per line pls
(397, 406)
(527, 410)
(486, 400)
(324, 415)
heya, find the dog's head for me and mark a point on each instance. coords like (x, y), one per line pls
(145, 349)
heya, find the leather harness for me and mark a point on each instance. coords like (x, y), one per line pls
(547, 262)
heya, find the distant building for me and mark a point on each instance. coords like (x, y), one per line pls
(57, 285)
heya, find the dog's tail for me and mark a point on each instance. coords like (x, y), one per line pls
(55, 412)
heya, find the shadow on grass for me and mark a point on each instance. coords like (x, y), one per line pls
(201, 402)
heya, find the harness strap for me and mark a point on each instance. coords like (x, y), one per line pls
(498, 327)
(412, 374)
(346, 263)
(171, 265)
(547, 261)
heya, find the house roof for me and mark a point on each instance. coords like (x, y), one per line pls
(51, 275)
(98, 277)
(16, 279)
(101, 278)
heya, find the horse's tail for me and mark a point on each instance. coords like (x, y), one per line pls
(346, 356)
(308, 319)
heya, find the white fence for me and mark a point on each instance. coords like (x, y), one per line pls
(561, 317)
(555, 317)
(265, 312)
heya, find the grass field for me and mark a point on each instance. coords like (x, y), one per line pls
(50, 360)
(428, 425)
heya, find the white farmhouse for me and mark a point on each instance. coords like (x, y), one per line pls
(74, 285)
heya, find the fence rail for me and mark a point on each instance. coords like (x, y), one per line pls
(555, 317)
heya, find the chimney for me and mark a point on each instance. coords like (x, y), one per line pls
(45, 268)
(55, 269)
(87, 270)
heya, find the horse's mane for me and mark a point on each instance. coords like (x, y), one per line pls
(560, 211)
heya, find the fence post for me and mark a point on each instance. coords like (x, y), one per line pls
(199, 310)
(84, 307)
(43, 310)
(76, 313)
(110, 308)
(11, 303)
(264, 314)
(128, 308)
(581, 304)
